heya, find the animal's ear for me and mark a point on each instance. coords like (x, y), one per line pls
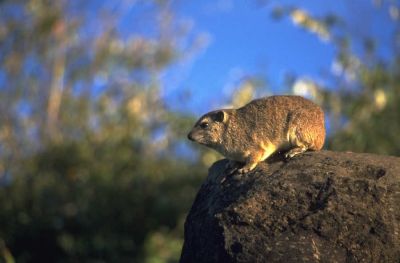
(220, 116)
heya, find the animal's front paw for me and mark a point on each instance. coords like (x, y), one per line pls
(247, 168)
(244, 170)
(231, 167)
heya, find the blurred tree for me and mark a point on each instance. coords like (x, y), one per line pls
(362, 96)
(68, 69)
(85, 134)
(103, 203)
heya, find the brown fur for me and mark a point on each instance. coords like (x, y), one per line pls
(253, 132)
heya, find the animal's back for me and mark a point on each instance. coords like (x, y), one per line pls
(279, 104)
(286, 120)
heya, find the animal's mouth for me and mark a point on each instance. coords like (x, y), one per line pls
(201, 142)
(196, 138)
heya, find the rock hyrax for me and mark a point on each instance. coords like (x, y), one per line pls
(262, 127)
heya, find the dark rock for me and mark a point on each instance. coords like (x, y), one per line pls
(317, 207)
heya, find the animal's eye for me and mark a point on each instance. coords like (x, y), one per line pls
(204, 125)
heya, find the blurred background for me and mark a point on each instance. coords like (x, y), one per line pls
(96, 99)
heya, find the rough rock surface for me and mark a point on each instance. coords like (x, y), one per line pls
(317, 207)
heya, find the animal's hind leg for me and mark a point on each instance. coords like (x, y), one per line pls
(298, 146)
(294, 151)
(297, 138)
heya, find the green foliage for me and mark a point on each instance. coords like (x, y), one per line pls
(373, 113)
(96, 202)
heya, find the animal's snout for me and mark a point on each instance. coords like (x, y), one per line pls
(190, 136)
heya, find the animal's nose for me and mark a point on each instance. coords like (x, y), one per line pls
(190, 136)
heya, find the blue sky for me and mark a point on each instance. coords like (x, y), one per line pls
(243, 39)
